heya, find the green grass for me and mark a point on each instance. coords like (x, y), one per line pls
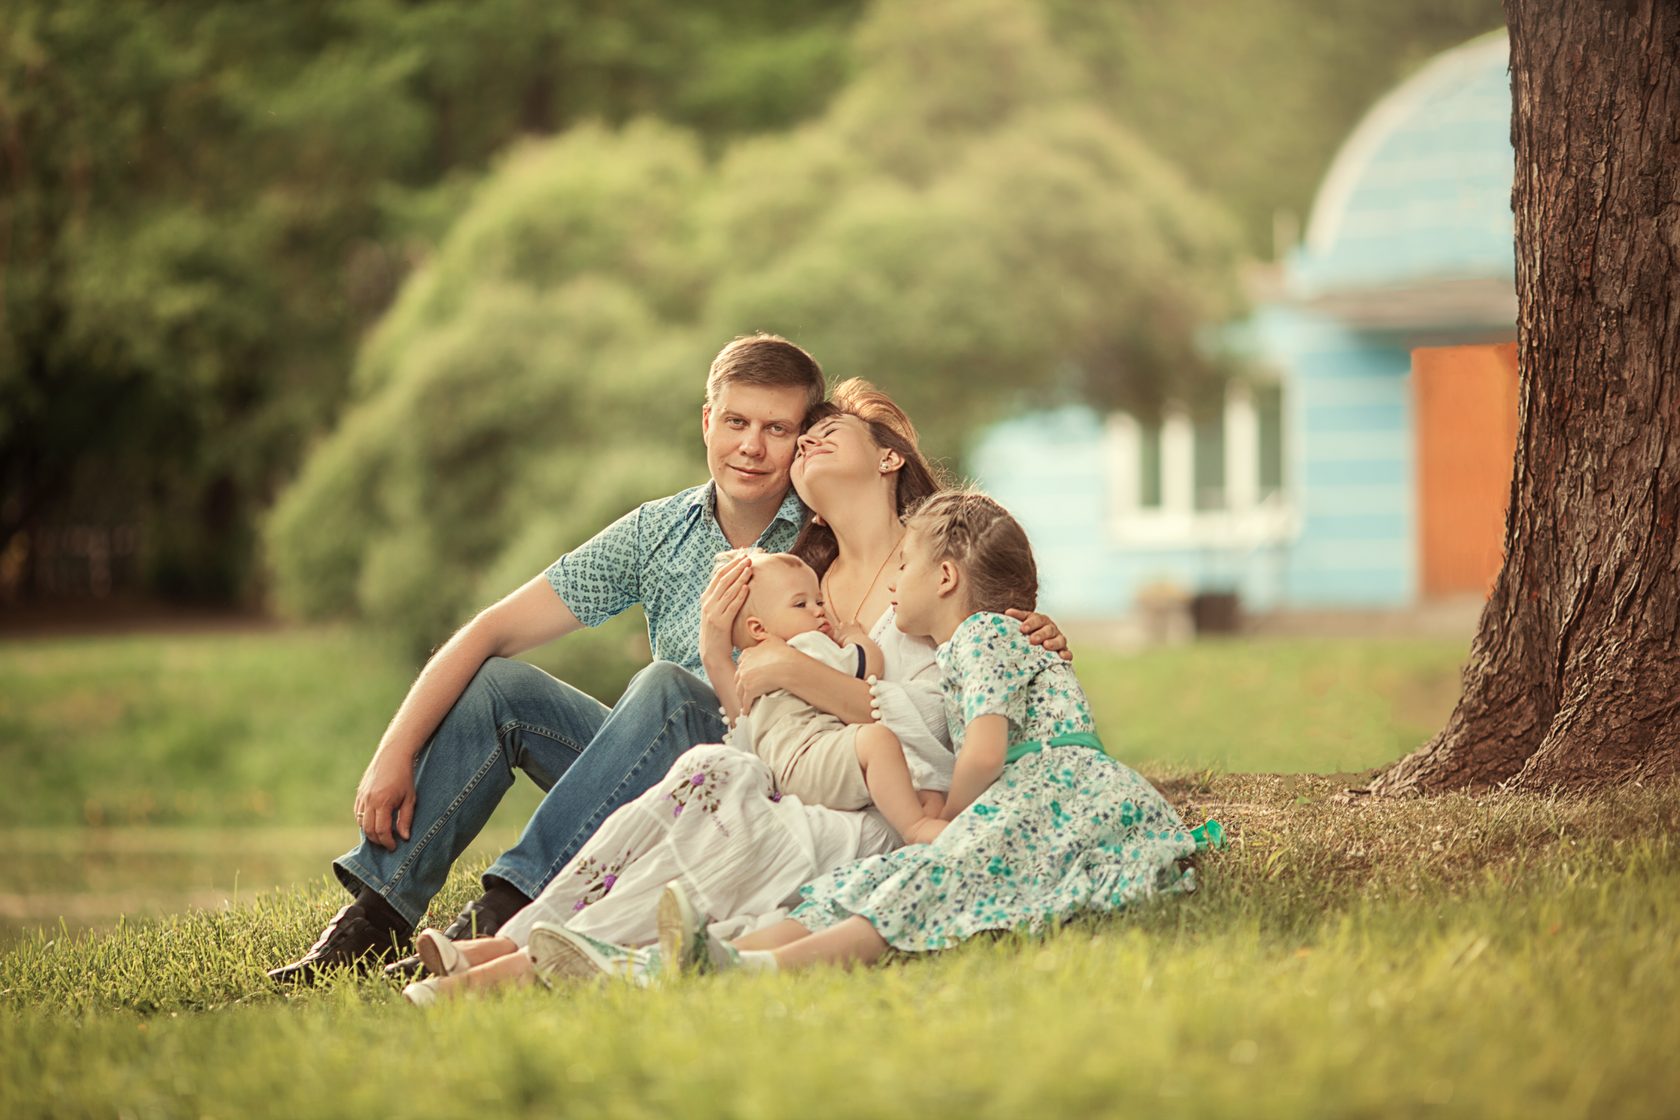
(200, 729)
(1293, 705)
(1502, 956)
(273, 728)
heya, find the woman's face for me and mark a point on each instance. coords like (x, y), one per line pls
(836, 450)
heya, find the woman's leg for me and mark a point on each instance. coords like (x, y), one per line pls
(626, 856)
(714, 822)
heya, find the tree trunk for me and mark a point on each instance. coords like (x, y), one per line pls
(1573, 677)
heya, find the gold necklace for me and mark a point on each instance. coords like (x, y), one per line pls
(871, 588)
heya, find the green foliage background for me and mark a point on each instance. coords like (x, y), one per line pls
(203, 206)
(962, 225)
(207, 209)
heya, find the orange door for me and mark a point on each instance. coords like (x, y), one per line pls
(1465, 412)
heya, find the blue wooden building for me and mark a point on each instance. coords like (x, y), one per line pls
(1302, 490)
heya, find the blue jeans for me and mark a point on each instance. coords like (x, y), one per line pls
(590, 758)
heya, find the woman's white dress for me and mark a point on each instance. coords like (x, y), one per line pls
(742, 849)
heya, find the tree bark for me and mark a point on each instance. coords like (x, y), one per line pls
(1573, 677)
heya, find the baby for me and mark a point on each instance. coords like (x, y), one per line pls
(815, 756)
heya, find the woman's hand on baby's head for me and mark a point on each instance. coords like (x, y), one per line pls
(720, 603)
(1041, 630)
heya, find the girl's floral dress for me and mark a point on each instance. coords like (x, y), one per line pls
(1064, 829)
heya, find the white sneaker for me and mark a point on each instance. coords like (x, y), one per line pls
(422, 993)
(682, 933)
(558, 953)
(441, 956)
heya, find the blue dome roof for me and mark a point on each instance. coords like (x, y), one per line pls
(1421, 191)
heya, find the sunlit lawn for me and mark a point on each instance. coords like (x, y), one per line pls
(120, 752)
(1496, 956)
(273, 728)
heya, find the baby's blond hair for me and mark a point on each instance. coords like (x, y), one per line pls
(755, 557)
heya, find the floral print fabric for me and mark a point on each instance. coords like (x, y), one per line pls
(1063, 830)
(991, 669)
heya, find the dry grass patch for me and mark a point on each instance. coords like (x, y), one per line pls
(1297, 835)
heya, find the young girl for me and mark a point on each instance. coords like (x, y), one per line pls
(1043, 824)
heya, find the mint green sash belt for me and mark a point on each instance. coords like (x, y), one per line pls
(1071, 739)
(1208, 835)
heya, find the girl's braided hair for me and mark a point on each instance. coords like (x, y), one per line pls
(979, 536)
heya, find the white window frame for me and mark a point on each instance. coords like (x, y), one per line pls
(1247, 521)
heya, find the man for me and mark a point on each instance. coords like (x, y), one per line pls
(473, 716)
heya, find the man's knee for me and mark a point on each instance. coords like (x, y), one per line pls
(500, 676)
(505, 689)
(668, 679)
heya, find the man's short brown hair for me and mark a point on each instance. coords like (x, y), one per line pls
(768, 360)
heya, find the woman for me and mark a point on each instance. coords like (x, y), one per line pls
(715, 822)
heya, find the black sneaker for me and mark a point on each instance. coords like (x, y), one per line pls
(349, 940)
(474, 920)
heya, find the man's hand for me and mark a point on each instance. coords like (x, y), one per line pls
(386, 791)
(1041, 631)
(762, 669)
(720, 603)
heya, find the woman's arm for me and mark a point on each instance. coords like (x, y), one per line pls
(774, 665)
(720, 603)
(985, 746)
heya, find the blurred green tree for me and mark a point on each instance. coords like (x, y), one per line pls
(963, 225)
(203, 204)
(1251, 98)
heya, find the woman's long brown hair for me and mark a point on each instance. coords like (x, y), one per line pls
(889, 429)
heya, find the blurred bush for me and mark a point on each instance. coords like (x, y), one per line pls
(965, 225)
(204, 204)
(205, 208)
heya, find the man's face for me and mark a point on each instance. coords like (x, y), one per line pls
(751, 433)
